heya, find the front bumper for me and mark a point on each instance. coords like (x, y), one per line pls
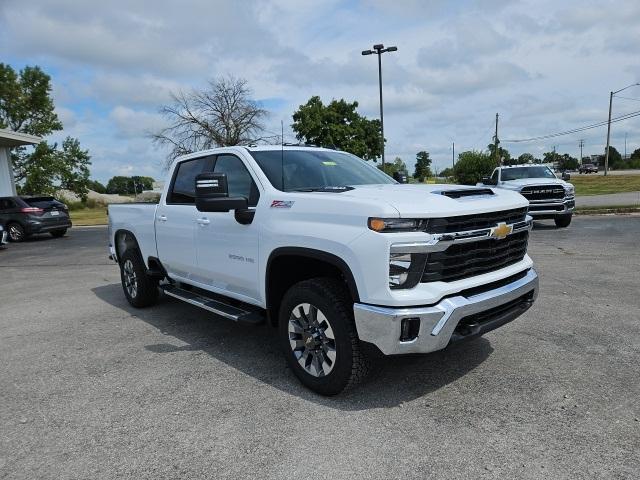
(4, 237)
(551, 208)
(453, 318)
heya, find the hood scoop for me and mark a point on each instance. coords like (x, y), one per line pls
(465, 192)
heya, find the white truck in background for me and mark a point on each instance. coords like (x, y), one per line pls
(330, 251)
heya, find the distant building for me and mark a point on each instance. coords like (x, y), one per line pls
(8, 140)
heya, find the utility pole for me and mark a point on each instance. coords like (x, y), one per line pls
(495, 145)
(453, 154)
(606, 152)
(554, 155)
(581, 145)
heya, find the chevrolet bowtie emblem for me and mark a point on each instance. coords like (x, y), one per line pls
(501, 230)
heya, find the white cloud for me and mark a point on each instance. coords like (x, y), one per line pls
(544, 65)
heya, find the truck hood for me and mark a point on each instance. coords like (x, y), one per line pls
(429, 200)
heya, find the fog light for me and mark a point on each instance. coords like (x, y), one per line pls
(409, 329)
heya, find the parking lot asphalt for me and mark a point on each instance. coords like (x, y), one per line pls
(92, 388)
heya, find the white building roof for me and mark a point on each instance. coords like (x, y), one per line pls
(9, 138)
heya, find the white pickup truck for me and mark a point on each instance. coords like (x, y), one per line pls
(331, 251)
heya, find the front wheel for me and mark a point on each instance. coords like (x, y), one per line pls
(563, 221)
(319, 338)
(140, 289)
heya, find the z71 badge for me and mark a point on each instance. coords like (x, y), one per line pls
(281, 204)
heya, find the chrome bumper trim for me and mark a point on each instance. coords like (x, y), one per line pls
(441, 241)
(382, 325)
(4, 237)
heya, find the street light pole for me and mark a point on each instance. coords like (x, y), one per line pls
(606, 152)
(379, 50)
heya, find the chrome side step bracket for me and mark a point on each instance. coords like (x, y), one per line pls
(215, 306)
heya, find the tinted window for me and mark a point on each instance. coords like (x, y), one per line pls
(42, 202)
(184, 183)
(6, 204)
(238, 178)
(304, 169)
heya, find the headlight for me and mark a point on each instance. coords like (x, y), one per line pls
(397, 224)
(569, 190)
(405, 269)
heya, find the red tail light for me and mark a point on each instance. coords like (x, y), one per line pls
(32, 210)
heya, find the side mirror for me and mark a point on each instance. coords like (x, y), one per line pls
(566, 176)
(400, 177)
(212, 194)
(488, 181)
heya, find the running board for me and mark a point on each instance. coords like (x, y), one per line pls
(215, 306)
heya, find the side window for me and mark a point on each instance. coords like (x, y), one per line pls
(6, 204)
(238, 178)
(494, 177)
(183, 189)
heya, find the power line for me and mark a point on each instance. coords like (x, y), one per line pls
(575, 130)
(628, 98)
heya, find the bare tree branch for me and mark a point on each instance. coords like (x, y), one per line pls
(221, 115)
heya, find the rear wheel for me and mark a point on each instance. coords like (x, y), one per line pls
(16, 232)
(58, 233)
(140, 289)
(319, 338)
(563, 221)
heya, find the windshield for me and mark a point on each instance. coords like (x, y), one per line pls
(518, 173)
(312, 170)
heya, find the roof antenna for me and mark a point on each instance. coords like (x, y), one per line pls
(282, 151)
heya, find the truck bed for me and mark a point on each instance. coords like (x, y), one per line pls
(137, 218)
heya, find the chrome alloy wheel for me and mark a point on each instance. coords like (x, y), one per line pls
(130, 279)
(15, 233)
(312, 340)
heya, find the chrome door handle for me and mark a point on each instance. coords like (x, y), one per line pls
(203, 221)
(162, 218)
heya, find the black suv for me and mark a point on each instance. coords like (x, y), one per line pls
(24, 216)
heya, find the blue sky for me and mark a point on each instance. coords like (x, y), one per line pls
(545, 66)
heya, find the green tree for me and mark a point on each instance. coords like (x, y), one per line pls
(422, 166)
(526, 158)
(338, 125)
(129, 185)
(634, 160)
(25, 101)
(615, 159)
(397, 166)
(50, 169)
(447, 172)
(503, 154)
(26, 106)
(96, 186)
(567, 162)
(472, 166)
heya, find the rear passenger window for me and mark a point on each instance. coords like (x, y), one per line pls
(183, 189)
(6, 204)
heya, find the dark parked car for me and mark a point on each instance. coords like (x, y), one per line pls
(24, 216)
(587, 168)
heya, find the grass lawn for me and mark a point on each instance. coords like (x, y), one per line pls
(598, 185)
(89, 216)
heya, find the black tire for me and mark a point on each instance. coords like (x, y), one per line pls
(16, 232)
(58, 233)
(331, 298)
(140, 289)
(563, 221)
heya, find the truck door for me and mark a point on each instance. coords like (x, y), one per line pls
(227, 251)
(176, 219)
